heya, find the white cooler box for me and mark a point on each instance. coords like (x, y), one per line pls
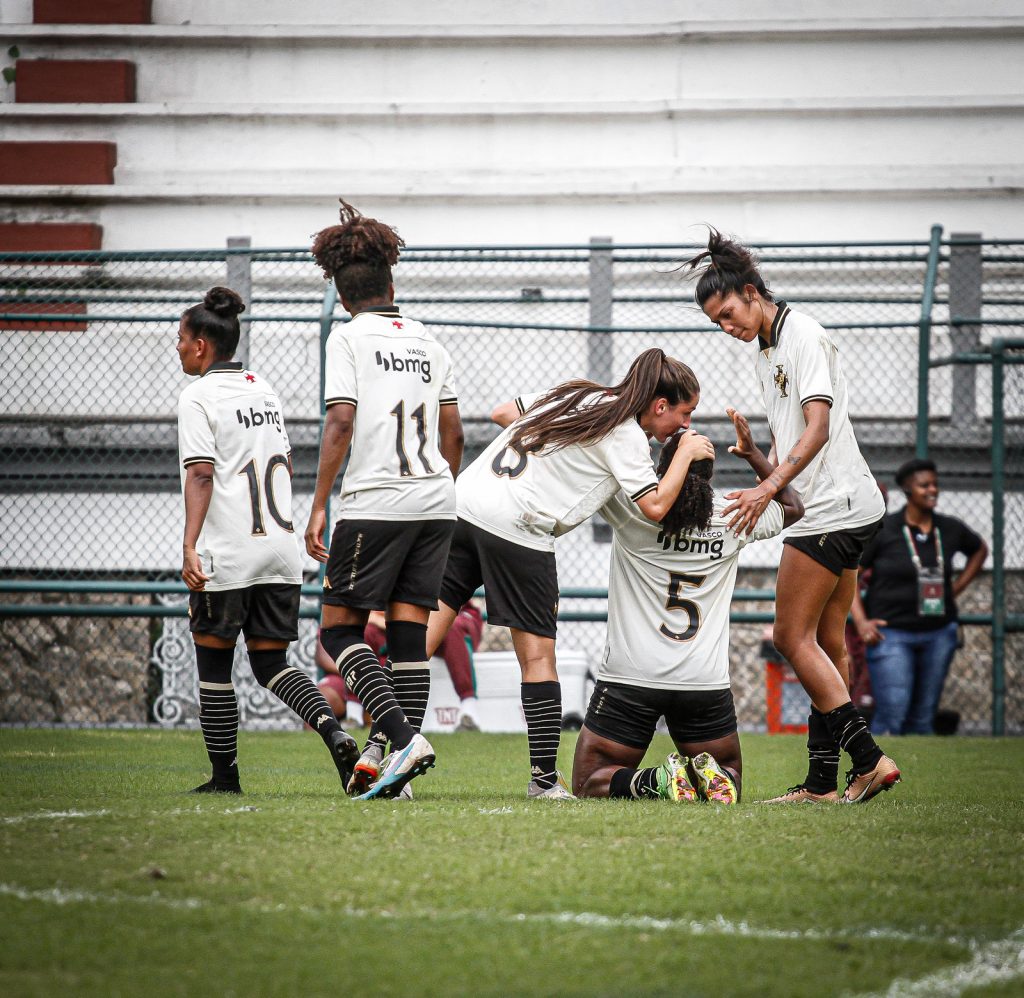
(498, 691)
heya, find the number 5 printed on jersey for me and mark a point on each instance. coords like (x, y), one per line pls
(674, 601)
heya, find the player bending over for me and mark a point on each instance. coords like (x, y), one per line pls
(552, 468)
(667, 650)
(240, 556)
(391, 407)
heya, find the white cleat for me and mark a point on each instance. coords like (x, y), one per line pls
(560, 790)
(400, 767)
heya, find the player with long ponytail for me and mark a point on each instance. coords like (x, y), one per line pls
(561, 456)
(807, 403)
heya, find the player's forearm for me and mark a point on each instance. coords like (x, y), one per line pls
(760, 464)
(452, 440)
(198, 493)
(971, 570)
(656, 504)
(811, 441)
(333, 448)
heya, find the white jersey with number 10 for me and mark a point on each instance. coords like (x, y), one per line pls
(669, 598)
(231, 418)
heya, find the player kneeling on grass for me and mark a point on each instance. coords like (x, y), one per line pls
(240, 556)
(667, 650)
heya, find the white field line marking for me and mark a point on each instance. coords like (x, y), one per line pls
(992, 963)
(718, 926)
(53, 816)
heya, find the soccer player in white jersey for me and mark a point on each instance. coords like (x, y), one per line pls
(241, 559)
(814, 447)
(567, 453)
(667, 651)
(392, 409)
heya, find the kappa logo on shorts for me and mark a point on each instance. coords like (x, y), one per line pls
(416, 364)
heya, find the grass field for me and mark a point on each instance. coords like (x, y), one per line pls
(116, 883)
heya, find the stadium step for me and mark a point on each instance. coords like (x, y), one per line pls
(32, 237)
(74, 81)
(57, 163)
(92, 11)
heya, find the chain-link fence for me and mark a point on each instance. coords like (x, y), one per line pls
(90, 492)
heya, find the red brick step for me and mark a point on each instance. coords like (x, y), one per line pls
(31, 237)
(43, 308)
(74, 81)
(92, 11)
(57, 162)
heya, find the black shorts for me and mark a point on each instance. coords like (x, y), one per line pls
(267, 611)
(629, 714)
(376, 562)
(837, 549)
(520, 583)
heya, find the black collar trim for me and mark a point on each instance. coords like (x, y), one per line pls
(223, 365)
(388, 310)
(776, 331)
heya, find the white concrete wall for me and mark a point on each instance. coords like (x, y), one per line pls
(794, 120)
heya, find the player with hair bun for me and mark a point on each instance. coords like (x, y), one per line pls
(667, 650)
(814, 447)
(392, 409)
(561, 456)
(240, 558)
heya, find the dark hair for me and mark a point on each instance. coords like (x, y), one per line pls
(729, 267)
(908, 469)
(694, 505)
(358, 254)
(558, 418)
(216, 321)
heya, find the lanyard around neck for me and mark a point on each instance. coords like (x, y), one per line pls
(912, 548)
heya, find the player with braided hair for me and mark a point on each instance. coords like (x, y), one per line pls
(241, 560)
(814, 447)
(393, 411)
(667, 650)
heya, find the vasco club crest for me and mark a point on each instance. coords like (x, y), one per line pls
(781, 381)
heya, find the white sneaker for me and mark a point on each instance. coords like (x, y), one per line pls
(560, 790)
(468, 720)
(400, 767)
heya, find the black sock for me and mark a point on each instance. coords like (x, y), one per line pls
(364, 676)
(852, 735)
(410, 668)
(294, 688)
(542, 706)
(218, 712)
(376, 734)
(822, 755)
(634, 784)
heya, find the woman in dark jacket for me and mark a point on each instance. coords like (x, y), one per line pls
(908, 619)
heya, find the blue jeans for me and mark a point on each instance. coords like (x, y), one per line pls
(908, 670)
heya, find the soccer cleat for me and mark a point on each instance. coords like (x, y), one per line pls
(713, 783)
(674, 782)
(406, 793)
(214, 786)
(467, 723)
(346, 753)
(558, 791)
(801, 795)
(400, 767)
(860, 789)
(366, 770)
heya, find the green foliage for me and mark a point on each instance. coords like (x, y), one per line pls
(9, 72)
(294, 889)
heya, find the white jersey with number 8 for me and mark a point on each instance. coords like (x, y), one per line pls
(397, 376)
(231, 418)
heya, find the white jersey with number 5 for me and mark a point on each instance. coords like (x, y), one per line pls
(534, 499)
(669, 597)
(231, 418)
(397, 376)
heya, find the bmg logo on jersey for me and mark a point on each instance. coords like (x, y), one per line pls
(251, 418)
(694, 545)
(418, 364)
